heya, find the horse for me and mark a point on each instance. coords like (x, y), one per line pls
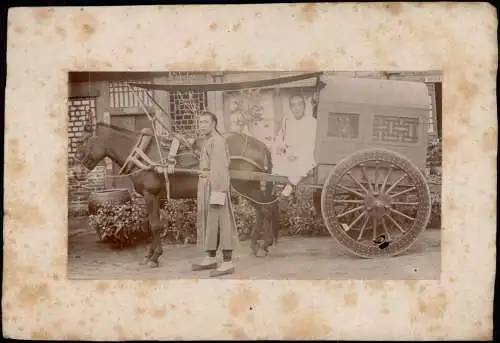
(247, 154)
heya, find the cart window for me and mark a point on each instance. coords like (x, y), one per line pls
(343, 125)
(395, 129)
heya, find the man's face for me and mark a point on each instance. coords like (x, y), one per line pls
(205, 124)
(297, 106)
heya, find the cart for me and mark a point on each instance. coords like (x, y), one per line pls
(370, 152)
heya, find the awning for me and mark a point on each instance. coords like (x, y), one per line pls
(230, 86)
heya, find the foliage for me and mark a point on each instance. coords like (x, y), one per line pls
(298, 217)
(248, 105)
(434, 159)
(435, 152)
(124, 225)
(120, 224)
(179, 220)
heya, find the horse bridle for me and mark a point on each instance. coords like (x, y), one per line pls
(88, 158)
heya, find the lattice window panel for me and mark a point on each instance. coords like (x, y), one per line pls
(343, 125)
(120, 95)
(185, 107)
(431, 124)
(395, 129)
(81, 111)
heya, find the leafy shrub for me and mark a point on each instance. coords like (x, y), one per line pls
(120, 224)
(179, 216)
(125, 224)
(435, 186)
(179, 219)
(299, 218)
(435, 152)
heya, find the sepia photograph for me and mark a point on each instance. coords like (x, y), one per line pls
(291, 171)
(254, 175)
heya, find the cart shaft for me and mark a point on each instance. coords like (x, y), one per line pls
(241, 175)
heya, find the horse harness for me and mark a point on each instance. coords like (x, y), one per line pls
(140, 159)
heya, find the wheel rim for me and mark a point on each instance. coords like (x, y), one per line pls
(376, 203)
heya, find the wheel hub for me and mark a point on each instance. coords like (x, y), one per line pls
(377, 204)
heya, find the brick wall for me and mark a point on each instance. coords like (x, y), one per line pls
(78, 191)
(80, 112)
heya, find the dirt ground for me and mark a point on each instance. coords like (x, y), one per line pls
(295, 258)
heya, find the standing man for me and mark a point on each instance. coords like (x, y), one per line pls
(216, 223)
(295, 143)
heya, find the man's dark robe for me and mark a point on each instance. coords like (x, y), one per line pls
(215, 159)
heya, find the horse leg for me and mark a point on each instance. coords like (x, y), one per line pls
(153, 207)
(255, 235)
(275, 221)
(272, 220)
(268, 229)
(150, 250)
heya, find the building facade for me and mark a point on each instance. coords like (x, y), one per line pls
(111, 101)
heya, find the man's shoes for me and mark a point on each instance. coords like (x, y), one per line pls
(207, 263)
(225, 268)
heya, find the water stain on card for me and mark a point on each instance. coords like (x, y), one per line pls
(61, 32)
(308, 64)
(16, 165)
(308, 13)
(351, 299)
(307, 326)
(43, 15)
(289, 302)
(489, 139)
(242, 301)
(23, 214)
(158, 313)
(30, 295)
(85, 24)
(102, 286)
(393, 8)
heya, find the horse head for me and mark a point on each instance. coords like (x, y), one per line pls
(91, 149)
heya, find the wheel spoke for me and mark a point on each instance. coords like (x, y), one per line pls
(351, 191)
(363, 171)
(350, 211)
(404, 192)
(402, 214)
(346, 201)
(357, 219)
(363, 227)
(384, 225)
(396, 223)
(375, 186)
(404, 203)
(397, 182)
(357, 181)
(374, 228)
(385, 180)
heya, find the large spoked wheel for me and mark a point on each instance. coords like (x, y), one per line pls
(376, 203)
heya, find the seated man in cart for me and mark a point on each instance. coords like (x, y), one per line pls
(294, 144)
